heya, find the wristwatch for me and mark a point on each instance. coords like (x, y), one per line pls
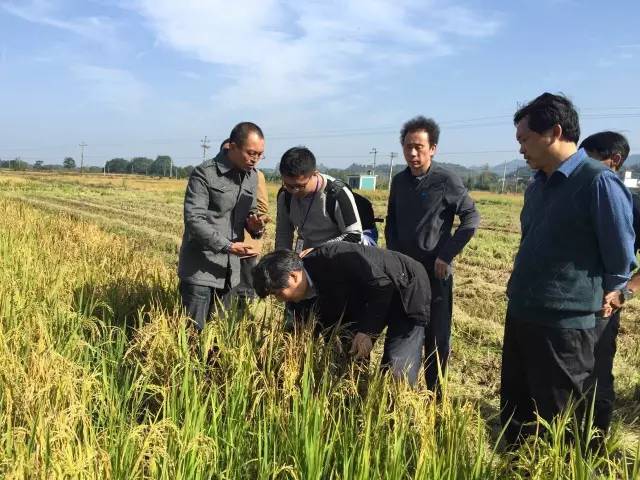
(626, 294)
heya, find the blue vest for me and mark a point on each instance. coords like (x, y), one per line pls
(558, 266)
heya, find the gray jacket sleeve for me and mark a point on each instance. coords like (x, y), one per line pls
(196, 208)
(284, 227)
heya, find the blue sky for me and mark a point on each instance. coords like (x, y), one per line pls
(150, 77)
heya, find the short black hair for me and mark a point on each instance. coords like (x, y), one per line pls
(224, 142)
(606, 145)
(548, 110)
(271, 274)
(429, 125)
(297, 161)
(242, 130)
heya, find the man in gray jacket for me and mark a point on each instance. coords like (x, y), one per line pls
(219, 203)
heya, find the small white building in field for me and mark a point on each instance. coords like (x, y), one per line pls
(362, 182)
(630, 182)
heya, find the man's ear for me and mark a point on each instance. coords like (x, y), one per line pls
(299, 279)
(616, 161)
(556, 132)
(295, 277)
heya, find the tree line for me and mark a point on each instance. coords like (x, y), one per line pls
(162, 166)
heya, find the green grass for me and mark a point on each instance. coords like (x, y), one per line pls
(101, 379)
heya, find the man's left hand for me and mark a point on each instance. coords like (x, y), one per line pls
(441, 269)
(361, 346)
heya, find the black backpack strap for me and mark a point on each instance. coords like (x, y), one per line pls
(287, 198)
(331, 190)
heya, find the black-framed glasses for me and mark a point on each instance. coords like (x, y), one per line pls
(298, 187)
(254, 155)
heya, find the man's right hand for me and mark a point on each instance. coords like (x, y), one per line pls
(242, 249)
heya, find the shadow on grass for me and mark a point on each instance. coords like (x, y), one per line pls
(490, 413)
(124, 303)
(627, 408)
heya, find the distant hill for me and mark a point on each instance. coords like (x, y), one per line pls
(383, 169)
(498, 168)
(632, 160)
(512, 166)
(517, 164)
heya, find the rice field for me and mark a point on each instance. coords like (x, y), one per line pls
(101, 378)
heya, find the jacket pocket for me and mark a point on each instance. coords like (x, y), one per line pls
(221, 199)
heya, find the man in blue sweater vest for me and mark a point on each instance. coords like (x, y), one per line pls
(612, 149)
(576, 249)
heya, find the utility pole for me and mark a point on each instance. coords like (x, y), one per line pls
(392, 155)
(504, 174)
(375, 153)
(205, 146)
(82, 145)
(170, 167)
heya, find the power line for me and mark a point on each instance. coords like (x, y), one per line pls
(475, 122)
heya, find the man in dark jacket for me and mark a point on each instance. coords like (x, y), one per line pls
(423, 201)
(576, 249)
(612, 149)
(220, 202)
(364, 288)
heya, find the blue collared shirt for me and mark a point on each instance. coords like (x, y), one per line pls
(612, 214)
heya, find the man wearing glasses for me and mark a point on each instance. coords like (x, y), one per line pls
(310, 209)
(303, 206)
(219, 203)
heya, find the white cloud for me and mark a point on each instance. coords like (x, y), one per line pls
(113, 88)
(627, 52)
(190, 75)
(98, 29)
(619, 55)
(272, 51)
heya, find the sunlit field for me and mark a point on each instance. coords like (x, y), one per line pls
(101, 378)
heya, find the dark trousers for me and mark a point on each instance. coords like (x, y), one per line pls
(437, 339)
(602, 378)
(404, 341)
(199, 301)
(543, 370)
